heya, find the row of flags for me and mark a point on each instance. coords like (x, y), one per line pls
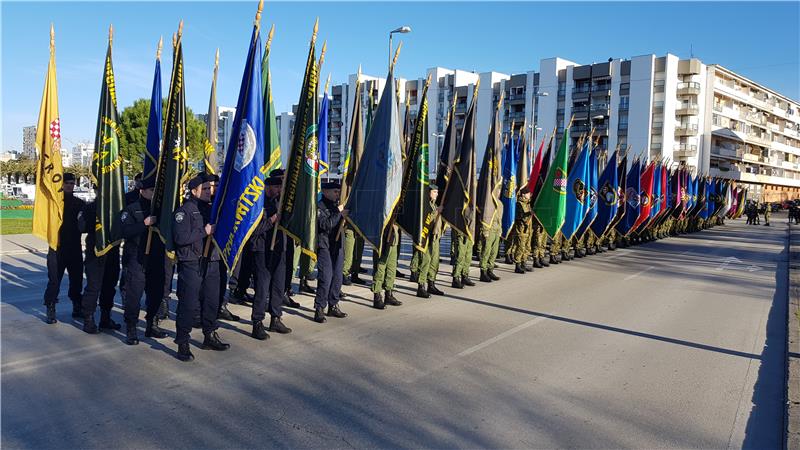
(386, 180)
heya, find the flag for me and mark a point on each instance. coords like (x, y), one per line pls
(239, 204)
(551, 202)
(725, 197)
(632, 182)
(591, 214)
(523, 161)
(298, 209)
(48, 204)
(107, 165)
(378, 182)
(533, 178)
(355, 144)
(415, 211)
(154, 122)
(508, 192)
(608, 199)
(645, 197)
(655, 202)
(458, 205)
(713, 190)
(704, 202)
(622, 185)
(322, 132)
(444, 165)
(490, 179)
(210, 144)
(577, 192)
(173, 161)
(272, 145)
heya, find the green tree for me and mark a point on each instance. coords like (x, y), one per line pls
(133, 138)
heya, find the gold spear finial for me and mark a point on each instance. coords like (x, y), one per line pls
(396, 55)
(180, 30)
(322, 54)
(502, 97)
(475, 92)
(110, 34)
(160, 45)
(216, 60)
(52, 37)
(257, 22)
(314, 33)
(174, 41)
(269, 37)
(428, 79)
(327, 84)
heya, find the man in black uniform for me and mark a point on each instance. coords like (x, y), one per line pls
(102, 275)
(216, 260)
(135, 220)
(68, 256)
(329, 252)
(189, 232)
(270, 266)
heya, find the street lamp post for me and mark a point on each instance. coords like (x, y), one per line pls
(403, 29)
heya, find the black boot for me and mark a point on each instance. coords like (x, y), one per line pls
(212, 342)
(89, 326)
(319, 316)
(491, 274)
(106, 323)
(553, 259)
(485, 276)
(433, 290)
(290, 303)
(544, 262)
(277, 326)
(399, 274)
(465, 280)
(153, 330)
(163, 309)
(51, 313)
(414, 277)
(457, 283)
(289, 291)
(377, 301)
(356, 279)
(258, 331)
(184, 353)
(226, 314)
(334, 311)
(422, 292)
(390, 300)
(346, 281)
(131, 335)
(518, 268)
(537, 263)
(304, 287)
(77, 310)
(527, 267)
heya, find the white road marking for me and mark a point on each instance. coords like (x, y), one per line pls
(630, 277)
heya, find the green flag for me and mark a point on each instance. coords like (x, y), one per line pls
(444, 165)
(551, 204)
(210, 144)
(458, 205)
(173, 160)
(298, 213)
(523, 163)
(490, 180)
(107, 165)
(272, 146)
(415, 205)
(355, 145)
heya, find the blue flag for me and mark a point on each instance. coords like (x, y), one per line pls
(591, 215)
(379, 178)
(508, 193)
(323, 136)
(153, 127)
(239, 204)
(632, 182)
(705, 211)
(577, 193)
(655, 207)
(608, 199)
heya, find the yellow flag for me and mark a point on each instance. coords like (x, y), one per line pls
(48, 205)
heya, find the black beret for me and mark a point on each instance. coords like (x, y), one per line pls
(196, 181)
(433, 187)
(138, 176)
(69, 176)
(276, 172)
(148, 183)
(274, 181)
(333, 184)
(210, 177)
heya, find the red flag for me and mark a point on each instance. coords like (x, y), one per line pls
(537, 167)
(646, 196)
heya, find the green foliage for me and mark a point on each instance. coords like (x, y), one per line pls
(133, 141)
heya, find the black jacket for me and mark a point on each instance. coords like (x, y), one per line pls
(205, 210)
(135, 231)
(70, 234)
(188, 231)
(329, 219)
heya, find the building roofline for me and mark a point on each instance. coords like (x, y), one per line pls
(759, 85)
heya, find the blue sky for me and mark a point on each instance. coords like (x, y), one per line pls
(758, 40)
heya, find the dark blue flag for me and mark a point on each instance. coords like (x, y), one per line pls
(632, 182)
(508, 193)
(577, 193)
(607, 197)
(153, 126)
(591, 215)
(239, 203)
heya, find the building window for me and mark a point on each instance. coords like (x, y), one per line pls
(623, 102)
(658, 86)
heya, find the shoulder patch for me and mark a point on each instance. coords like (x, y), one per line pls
(124, 216)
(179, 216)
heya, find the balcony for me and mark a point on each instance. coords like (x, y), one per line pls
(686, 129)
(687, 109)
(690, 88)
(685, 150)
(727, 152)
(601, 110)
(658, 107)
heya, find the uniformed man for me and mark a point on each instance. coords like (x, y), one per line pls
(428, 265)
(102, 276)
(330, 217)
(215, 260)
(353, 254)
(135, 220)
(68, 256)
(767, 214)
(521, 235)
(538, 244)
(489, 245)
(460, 259)
(385, 270)
(189, 232)
(212, 269)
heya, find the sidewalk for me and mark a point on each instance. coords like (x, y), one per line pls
(15, 244)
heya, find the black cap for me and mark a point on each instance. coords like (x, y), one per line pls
(433, 187)
(69, 176)
(211, 178)
(276, 172)
(333, 184)
(148, 183)
(138, 176)
(274, 181)
(196, 181)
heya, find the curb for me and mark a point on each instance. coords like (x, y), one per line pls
(792, 412)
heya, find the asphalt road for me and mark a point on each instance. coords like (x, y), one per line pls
(677, 343)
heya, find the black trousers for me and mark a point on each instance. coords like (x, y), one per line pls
(244, 271)
(270, 276)
(57, 261)
(158, 273)
(135, 280)
(102, 275)
(190, 282)
(210, 296)
(329, 276)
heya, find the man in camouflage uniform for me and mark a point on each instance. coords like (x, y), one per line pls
(521, 235)
(460, 257)
(428, 261)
